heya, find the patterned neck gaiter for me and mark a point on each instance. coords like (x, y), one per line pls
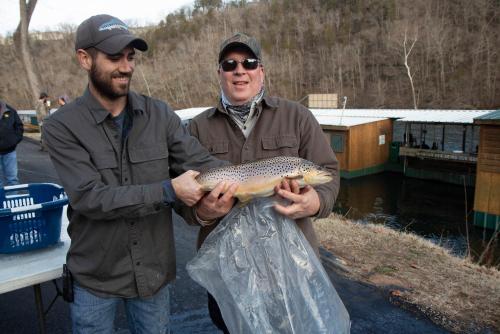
(241, 112)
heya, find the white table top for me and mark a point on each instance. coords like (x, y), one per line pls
(25, 269)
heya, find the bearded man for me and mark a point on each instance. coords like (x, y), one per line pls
(124, 160)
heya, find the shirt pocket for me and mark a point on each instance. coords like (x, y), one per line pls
(104, 160)
(283, 145)
(219, 149)
(149, 164)
(106, 164)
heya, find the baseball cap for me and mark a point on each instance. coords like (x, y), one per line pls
(240, 39)
(106, 33)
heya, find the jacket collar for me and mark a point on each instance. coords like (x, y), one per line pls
(267, 101)
(136, 102)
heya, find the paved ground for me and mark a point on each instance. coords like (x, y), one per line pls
(369, 308)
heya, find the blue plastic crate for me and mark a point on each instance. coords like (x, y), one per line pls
(30, 217)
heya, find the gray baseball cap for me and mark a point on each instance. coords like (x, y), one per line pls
(240, 39)
(108, 34)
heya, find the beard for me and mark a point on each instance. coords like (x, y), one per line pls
(104, 83)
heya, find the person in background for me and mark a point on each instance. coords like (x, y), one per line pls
(42, 111)
(124, 160)
(62, 100)
(248, 124)
(11, 133)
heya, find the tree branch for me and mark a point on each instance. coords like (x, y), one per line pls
(406, 56)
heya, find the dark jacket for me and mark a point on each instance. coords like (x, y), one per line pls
(11, 128)
(283, 128)
(122, 241)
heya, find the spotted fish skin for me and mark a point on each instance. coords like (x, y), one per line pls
(258, 178)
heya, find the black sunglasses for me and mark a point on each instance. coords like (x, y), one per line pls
(229, 65)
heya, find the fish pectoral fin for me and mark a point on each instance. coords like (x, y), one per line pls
(300, 180)
(244, 199)
(241, 204)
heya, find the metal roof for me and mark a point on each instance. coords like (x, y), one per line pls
(184, 114)
(187, 114)
(27, 112)
(346, 121)
(352, 117)
(495, 115)
(409, 115)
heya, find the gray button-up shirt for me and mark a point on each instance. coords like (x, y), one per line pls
(121, 231)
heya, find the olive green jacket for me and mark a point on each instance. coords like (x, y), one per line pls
(283, 128)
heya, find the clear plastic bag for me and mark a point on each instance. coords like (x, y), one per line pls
(265, 276)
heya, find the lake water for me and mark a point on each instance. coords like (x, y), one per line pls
(434, 210)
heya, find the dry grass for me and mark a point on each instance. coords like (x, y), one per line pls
(453, 292)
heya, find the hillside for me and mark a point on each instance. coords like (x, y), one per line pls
(353, 48)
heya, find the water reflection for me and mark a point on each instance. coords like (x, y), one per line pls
(431, 209)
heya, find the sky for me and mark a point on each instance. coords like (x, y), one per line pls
(49, 15)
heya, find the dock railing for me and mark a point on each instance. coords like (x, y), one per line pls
(437, 155)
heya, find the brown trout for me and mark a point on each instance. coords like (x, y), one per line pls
(258, 178)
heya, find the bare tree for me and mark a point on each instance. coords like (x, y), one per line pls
(30, 7)
(309, 46)
(22, 46)
(406, 53)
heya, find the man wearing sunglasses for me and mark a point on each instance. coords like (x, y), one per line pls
(248, 124)
(124, 160)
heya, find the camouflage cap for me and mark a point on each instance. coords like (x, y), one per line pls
(240, 39)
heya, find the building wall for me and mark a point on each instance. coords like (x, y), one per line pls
(342, 154)
(322, 101)
(487, 195)
(365, 147)
(361, 152)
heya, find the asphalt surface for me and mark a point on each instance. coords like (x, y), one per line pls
(369, 308)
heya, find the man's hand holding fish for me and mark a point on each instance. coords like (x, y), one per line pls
(217, 203)
(305, 201)
(186, 188)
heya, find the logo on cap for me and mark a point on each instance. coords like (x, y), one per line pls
(113, 24)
